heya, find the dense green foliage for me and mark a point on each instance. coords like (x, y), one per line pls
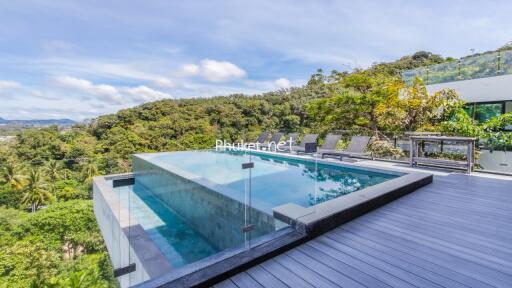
(52, 247)
(48, 231)
(60, 245)
(494, 132)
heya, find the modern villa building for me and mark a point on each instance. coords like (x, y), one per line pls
(483, 81)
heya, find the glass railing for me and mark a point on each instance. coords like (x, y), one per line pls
(472, 67)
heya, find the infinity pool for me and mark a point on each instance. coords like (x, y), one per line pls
(273, 180)
(194, 204)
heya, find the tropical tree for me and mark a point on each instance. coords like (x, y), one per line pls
(52, 170)
(35, 190)
(374, 90)
(417, 110)
(66, 173)
(10, 175)
(89, 170)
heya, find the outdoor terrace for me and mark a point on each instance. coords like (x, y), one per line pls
(455, 232)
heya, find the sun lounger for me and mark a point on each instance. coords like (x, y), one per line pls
(356, 148)
(308, 138)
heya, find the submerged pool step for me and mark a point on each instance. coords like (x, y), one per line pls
(150, 222)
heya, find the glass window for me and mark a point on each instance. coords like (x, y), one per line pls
(486, 111)
(470, 110)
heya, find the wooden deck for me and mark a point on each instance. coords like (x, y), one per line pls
(455, 232)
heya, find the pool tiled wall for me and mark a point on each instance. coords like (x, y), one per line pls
(216, 216)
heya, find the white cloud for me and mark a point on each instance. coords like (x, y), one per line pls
(9, 85)
(283, 83)
(189, 70)
(145, 94)
(164, 82)
(103, 92)
(105, 69)
(111, 94)
(219, 71)
(212, 70)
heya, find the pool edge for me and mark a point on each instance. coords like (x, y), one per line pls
(330, 214)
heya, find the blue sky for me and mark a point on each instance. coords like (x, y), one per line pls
(81, 59)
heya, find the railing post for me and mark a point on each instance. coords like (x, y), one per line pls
(469, 155)
(411, 151)
(498, 71)
(458, 69)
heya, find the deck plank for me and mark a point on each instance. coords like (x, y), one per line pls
(288, 277)
(264, 278)
(326, 271)
(309, 274)
(245, 280)
(378, 263)
(413, 258)
(432, 254)
(411, 265)
(455, 232)
(225, 284)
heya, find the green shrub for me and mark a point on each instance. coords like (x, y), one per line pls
(382, 148)
(461, 125)
(9, 197)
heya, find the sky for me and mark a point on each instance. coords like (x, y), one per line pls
(82, 59)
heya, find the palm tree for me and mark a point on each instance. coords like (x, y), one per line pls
(35, 191)
(52, 170)
(89, 171)
(9, 175)
(66, 173)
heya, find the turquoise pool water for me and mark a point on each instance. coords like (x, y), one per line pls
(177, 240)
(274, 180)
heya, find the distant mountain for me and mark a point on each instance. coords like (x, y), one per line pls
(38, 122)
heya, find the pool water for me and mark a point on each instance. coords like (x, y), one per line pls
(274, 180)
(178, 241)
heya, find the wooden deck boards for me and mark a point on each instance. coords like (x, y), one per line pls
(455, 232)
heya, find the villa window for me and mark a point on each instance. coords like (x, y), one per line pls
(482, 112)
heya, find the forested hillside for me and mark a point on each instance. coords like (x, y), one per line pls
(47, 228)
(196, 123)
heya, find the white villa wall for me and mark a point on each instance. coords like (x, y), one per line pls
(498, 88)
(508, 107)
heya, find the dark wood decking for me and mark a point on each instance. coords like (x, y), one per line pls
(455, 232)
